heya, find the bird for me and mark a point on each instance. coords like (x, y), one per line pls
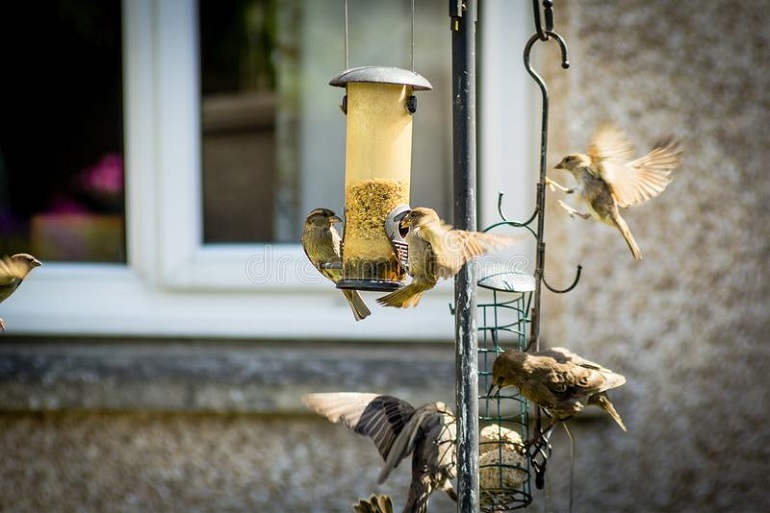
(377, 503)
(323, 247)
(557, 380)
(398, 429)
(13, 270)
(436, 250)
(609, 178)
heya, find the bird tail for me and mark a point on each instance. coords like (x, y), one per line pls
(404, 297)
(375, 504)
(602, 401)
(356, 302)
(620, 223)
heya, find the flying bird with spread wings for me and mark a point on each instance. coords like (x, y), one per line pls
(609, 177)
(436, 250)
(398, 429)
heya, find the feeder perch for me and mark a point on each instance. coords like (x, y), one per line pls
(379, 104)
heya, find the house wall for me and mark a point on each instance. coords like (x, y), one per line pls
(689, 325)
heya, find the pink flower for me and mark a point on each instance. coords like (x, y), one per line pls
(106, 177)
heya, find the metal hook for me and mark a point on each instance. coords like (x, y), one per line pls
(505, 218)
(564, 291)
(527, 61)
(542, 35)
(507, 222)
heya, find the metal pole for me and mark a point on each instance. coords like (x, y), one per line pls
(463, 24)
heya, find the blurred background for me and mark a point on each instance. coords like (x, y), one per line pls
(137, 377)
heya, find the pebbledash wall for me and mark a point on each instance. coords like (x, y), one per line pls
(689, 325)
(138, 425)
(204, 426)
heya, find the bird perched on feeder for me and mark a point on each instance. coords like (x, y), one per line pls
(323, 247)
(557, 380)
(608, 177)
(375, 504)
(398, 429)
(13, 270)
(436, 250)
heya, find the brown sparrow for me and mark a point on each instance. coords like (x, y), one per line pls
(322, 245)
(608, 177)
(398, 429)
(436, 250)
(557, 380)
(13, 270)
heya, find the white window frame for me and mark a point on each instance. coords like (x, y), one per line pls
(174, 285)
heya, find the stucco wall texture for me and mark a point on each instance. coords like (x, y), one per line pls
(92, 462)
(689, 325)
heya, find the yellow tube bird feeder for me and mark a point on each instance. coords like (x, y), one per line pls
(379, 105)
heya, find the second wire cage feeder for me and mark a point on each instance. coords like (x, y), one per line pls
(503, 320)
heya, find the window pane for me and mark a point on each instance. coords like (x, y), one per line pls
(238, 119)
(273, 135)
(61, 130)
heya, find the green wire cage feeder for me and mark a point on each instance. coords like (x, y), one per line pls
(504, 468)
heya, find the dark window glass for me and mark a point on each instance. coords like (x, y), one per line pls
(61, 130)
(237, 50)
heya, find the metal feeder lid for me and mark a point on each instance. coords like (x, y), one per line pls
(381, 75)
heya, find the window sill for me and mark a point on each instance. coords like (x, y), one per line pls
(224, 376)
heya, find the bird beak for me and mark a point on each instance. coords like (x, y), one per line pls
(404, 221)
(560, 165)
(36, 263)
(335, 220)
(494, 388)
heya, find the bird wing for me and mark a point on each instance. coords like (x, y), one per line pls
(610, 147)
(405, 441)
(380, 417)
(322, 246)
(453, 248)
(649, 175)
(588, 374)
(541, 383)
(336, 242)
(632, 181)
(563, 355)
(584, 380)
(430, 436)
(334, 274)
